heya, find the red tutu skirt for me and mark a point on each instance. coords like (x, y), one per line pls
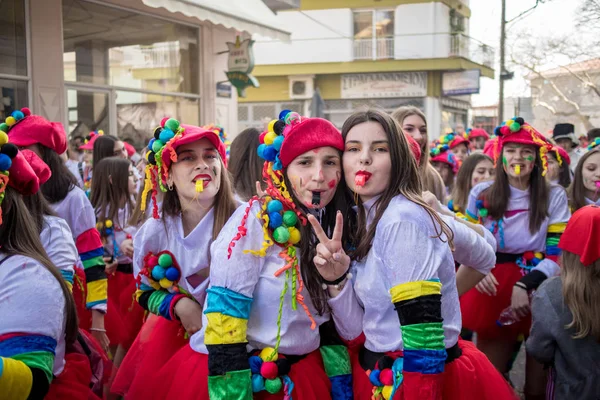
(73, 382)
(123, 327)
(79, 294)
(158, 340)
(480, 311)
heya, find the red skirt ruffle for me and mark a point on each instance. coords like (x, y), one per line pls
(79, 294)
(157, 341)
(480, 311)
(123, 327)
(73, 382)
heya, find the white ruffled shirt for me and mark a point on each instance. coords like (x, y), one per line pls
(57, 240)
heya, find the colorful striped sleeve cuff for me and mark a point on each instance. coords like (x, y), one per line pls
(225, 338)
(471, 218)
(26, 365)
(338, 368)
(159, 302)
(419, 308)
(555, 231)
(89, 247)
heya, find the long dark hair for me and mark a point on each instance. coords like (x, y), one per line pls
(104, 147)
(564, 173)
(110, 189)
(38, 207)
(62, 180)
(498, 194)
(577, 189)
(462, 187)
(244, 163)
(405, 181)
(19, 236)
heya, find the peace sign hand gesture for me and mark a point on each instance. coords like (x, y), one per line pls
(331, 260)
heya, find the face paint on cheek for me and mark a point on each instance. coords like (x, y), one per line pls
(332, 183)
(504, 161)
(214, 170)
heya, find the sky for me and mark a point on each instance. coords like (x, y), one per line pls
(552, 17)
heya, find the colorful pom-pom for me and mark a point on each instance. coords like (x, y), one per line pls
(158, 273)
(3, 138)
(258, 383)
(539, 255)
(515, 127)
(520, 121)
(275, 220)
(270, 153)
(290, 218)
(151, 158)
(450, 137)
(269, 370)
(281, 235)
(273, 385)
(535, 262)
(274, 206)
(172, 274)
(165, 283)
(165, 260)
(166, 135)
(5, 162)
(270, 137)
(479, 203)
(157, 145)
(271, 126)
(157, 132)
(164, 121)
(260, 150)
(528, 255)
(386, 392)
(268, 354)
(18, 115)
(292, 118)
(283, 366)
(277, 142)
(386, 377)
(4, 127)
(108, 223)
(295, 235)
(255, 363)
(152, 260)
(445, 147)
(151, 143)
(279, 127)
(483, 212)
(26, 111)
(10, 150)
(374, 377)
(283, 113)
(10, 121)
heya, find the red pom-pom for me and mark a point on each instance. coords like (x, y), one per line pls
(269, 370)
(386, 377)
(26, 111)
(164, 121)
(528, 255)
(261, 137)
(152, 261)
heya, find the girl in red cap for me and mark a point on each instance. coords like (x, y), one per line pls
(171, 259)
(558, 167)
(445, 161)
(413, 123)
(585, 188)
(527, 217)
(404, 268)
(565, 333)
(477, 138)
(69, 202)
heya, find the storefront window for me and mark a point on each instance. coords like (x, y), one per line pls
(14, 96)
(13, 40)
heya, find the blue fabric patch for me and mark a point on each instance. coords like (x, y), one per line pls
(425, 361)
(553, 251)
(67, 275)
(26, 344)
(95, 303)
(144, 288)
(433, 280)
(99, 252)
(227, 302)
(1, 367)
(341, 387)
(165, 306)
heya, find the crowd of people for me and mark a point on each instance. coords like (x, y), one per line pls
(300, 262)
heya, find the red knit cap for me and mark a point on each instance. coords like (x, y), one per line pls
(446, 157)
(22, 175)
(415, 149)
(89, 142)
(35, 129)
(582, 235)
(476, 132)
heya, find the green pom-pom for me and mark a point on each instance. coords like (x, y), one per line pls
(273, 385)
(157, 145)
(290, 218)
(3, 127)
(483, 212)
(281, 235)
(172, 124)
(165, 260)
(515, 127)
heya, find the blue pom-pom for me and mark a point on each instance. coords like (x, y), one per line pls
(278, 142)
(283, 113)
(158, 273)
(260, 150)
(108, 231)
(5, 162)
(258, 383)
(18, 115)
(150, 143)
(374, 377)
(535, 261)
(172, 274)
(166, 135)
(445, 147)
(270, 153)
(274, 206)
(450, 137)
(479, 204)
(255, 364)
(275, 220)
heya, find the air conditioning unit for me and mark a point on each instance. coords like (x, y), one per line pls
(301, 86)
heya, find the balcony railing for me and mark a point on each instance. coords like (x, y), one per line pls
(374, 49)
(464, 46)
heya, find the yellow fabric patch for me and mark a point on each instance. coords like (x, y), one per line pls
(16, 379)
(410, 290)
(96, 291)
(70, 286)
(557, 228)
(468, 218)
(223, 329)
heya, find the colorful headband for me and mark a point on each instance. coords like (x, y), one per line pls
(8, 152)
(594, 144)
(219, 130)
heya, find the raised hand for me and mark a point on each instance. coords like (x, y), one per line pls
(331, 260)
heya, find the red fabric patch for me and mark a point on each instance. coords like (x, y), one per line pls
(88, 241)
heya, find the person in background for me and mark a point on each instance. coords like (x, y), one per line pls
(459, 128)
(245, 165)
(564, 136)
(565, 333)
(591, 135)
(477, 137)
(75, 161)
(477, 168)
(445, 162)
(558, 167)
(585, 188)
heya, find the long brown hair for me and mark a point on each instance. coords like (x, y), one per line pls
(404, 181)
(224, 202)
(62, 180)
(564, 172)
(430, 178)
(104, 147)
(38, 207)
(577, 189)
(498, 194)
(244, 163)
(462, 187)
(581, 292)
(19, 236)
(110, 189)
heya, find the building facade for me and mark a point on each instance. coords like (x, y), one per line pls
(390, 53)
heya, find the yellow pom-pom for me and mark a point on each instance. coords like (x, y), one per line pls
(108, 223)
(99, 225)
(10, 121)
(386, 392)
(539, 256)
(268, 354)
(155, 285)
(294, 235)
(270, 137)
(443, 139)
(271, 124)
(165, 283)
(3, 138)
(509, 122)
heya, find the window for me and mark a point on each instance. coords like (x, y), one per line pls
(373, 34)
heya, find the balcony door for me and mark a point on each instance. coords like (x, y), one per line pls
(373, 34)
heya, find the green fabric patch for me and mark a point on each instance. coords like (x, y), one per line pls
(93, 262)
(552, 241)
(155, 300)
(429, 336)
(38, 359)
(234, 385)
(336, 360)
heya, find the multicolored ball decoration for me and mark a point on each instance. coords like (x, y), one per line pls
(593, 144)
(8, 152)
(386, 377)
(443, 143)
(162, 270)
(482, 208)
(105, 228)
(272, 139)
(529, 260)
(269, 372)
(283, 223)
(220, 131)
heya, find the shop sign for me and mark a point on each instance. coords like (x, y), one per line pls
(240, 64)
(385, 84)
(460, 83)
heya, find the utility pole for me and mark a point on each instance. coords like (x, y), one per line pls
(502, 61)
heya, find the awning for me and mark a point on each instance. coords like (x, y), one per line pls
(251, 16)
